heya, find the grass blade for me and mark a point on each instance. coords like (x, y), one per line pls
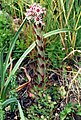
(8, 101)
(17, 66)
(56, 32)
(1, 69)
(11, 100)
(32, 46)
(62, 4)
(13, 43)
(20, 111)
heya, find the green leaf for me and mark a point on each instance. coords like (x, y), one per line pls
(20, 111)
(62, 115)
(11, 100)
(79, 113)
(8, 101)
(13, 43)
(17, 66)
(67, 110)
(56, 32)
(1, 69)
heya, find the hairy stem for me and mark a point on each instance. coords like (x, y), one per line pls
(41, 53)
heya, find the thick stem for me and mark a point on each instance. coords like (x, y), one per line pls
(41, 53)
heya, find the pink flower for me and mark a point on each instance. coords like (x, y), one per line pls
(38, 20)
(31, 95)
(35, 13)
(38, 10)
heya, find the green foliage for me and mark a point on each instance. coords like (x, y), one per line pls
(72, 15)
(78, 42)
(20, 47)
(5, 30)
(55, 53)
(4, 66)
(46, 103)
(43, 109)
(66, 111)
(60, 14)
(78, 109)
(70, 109)
(14, 7)
(11, 100)
(20, 44)
(53, 92)
(2, 113)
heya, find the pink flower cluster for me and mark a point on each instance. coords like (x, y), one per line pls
(35, 13)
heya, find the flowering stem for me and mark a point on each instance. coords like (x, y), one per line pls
(35, 15)
(40, 52)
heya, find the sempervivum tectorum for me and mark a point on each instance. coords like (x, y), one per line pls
(35, 15)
